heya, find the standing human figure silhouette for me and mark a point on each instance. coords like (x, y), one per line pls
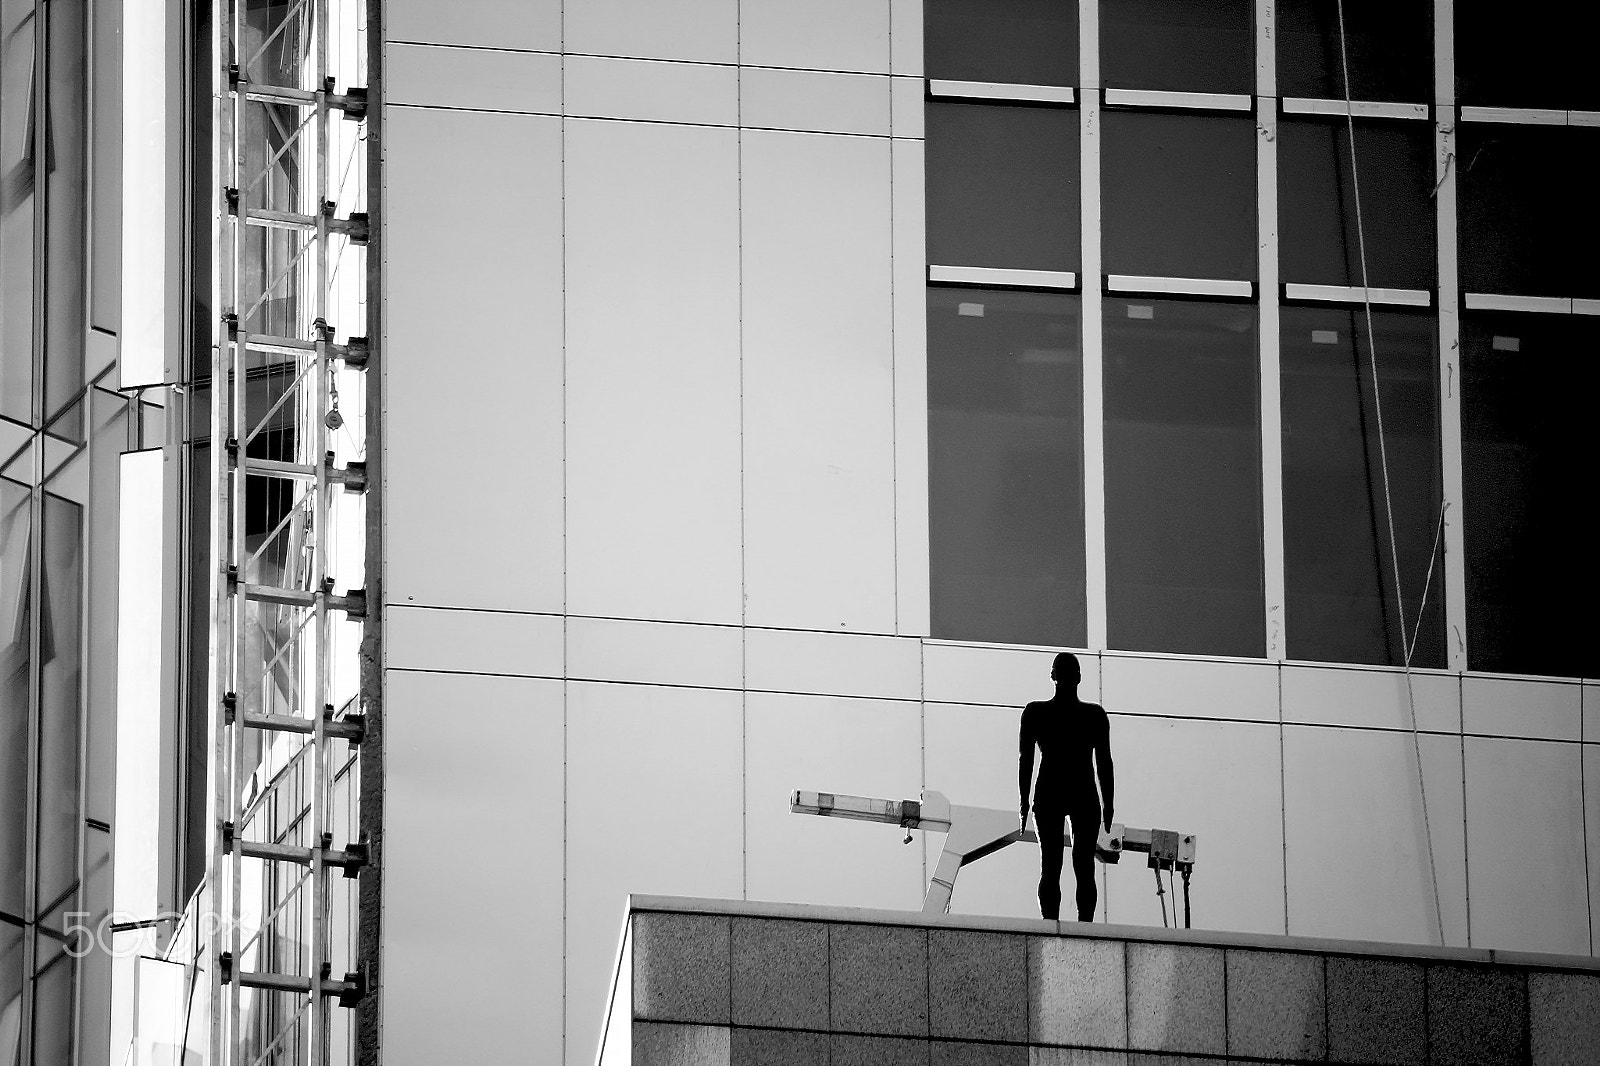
(1074, 742)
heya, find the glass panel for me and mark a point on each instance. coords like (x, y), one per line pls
(1183, 478)
(1317, 206)
(17, 170)
(1388, 46)
(1517, 197)
(1005, 432)
(10, 992)
(52, 1004)
(1528, 453)
(1523, 60)
(1028, 42)
(60, 626)
(1003, 186)
(1197, 46)
(15, 666)
(1179, 195)
(65, 225)
(1339, 570)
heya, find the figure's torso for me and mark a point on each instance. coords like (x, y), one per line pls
(1066, 732)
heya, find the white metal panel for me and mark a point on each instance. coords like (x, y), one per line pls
(1357, 852)
(652, 91)
(1169, 98)
(1591, 806)
(473, 473)
(1542, 710)
(1591, 712)
(1331, 695)
(706, 31)
(814, 101)
(906, 107)
(818, 383)
(476, 809)
(661, 653)
(990, 90)
(1355, 108)
(817, 34)
(1004, 277)
(652, 250)
(1267, 339)
(905, 37)
(912, 579)
(998, 676)
(654, 805)
(971, 754)
(149, 341)
(482, 78)
(483, 642)
(843, 664)
(1219, 780)
(522, 24)
(1525, 846)
(1191, 688)
(856, 747)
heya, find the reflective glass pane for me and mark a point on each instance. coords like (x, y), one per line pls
(1003, 186)
(60, 642)
(1339, 570)
(1506, 59)
(1321, 242)
(1388, 48)
(1005, 442)
(15, 664)
(17, 177)
(1183, 478)
(11, 935)
(1028, 42)
(65, 226)
(1528, 471)
(1179, 195)
(52, 1004)
(1519, 202)
(1197, 46)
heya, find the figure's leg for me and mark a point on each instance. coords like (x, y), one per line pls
(1085, 834)
(1051, 826)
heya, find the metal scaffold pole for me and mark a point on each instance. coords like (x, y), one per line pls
(286, 230)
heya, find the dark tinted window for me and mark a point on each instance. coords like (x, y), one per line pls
(1200, 46)
(1002, 186)
(1183, 478)
(1005, 429)
(60, 623)
(1179, 195)
(1521, 208)
(1317, 206)
(1339, 569)
(1528, 471)
(15, 666)
(1527, 57)
(1031, 42)
(1387, 46)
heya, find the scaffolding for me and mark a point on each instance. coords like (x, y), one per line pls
(287, 529)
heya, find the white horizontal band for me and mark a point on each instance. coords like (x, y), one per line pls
(1353, 294)
(1544, 305)
(1586, 307)
(1583, 118)
(1160, 98)
(1293, 105)
(1527, 116)
(1181, 286)
(1028, 279)
(989, 90)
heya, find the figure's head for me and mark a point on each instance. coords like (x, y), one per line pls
(1065, 669)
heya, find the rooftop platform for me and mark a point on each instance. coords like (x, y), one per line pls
(728, 983)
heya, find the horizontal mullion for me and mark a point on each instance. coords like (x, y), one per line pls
(991, 90)
(1527, 116)
(1001, 277)
(1294, 105)
(1190, 101)
(1544, 305)
(1136, 283)
(1356, 294)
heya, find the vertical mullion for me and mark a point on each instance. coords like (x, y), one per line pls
(1273, 580)
(1094, 467)
(1455, 565)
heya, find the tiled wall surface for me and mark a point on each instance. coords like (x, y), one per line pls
(729, 986)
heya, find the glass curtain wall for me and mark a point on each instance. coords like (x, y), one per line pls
(1357, 374)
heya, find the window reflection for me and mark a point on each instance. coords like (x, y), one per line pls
(1020, 42)
(15, 665)
(1518, 202)
(1202, 46)
(1505, 61)
(1388, 47)
(1320, 244)
(1005, 429)
(1179, 195)
(1002, 186)
(1528, 471)
(65, 226)
(1339, 570)
(1183, 478)
(60, 628)
(17, 178)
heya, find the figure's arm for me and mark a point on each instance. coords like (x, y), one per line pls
(1025, 745)
(1107, 772)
